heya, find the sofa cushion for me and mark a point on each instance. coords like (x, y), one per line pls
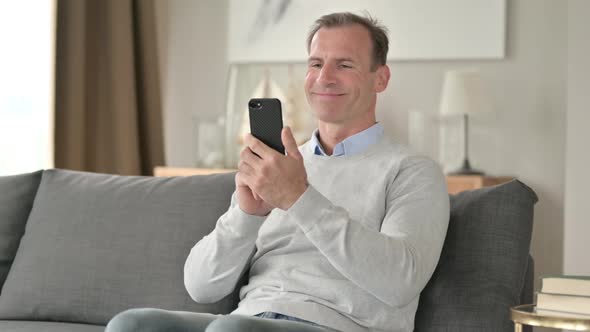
(17, 193)
(483, 263)
(30, 326)
(98, 244)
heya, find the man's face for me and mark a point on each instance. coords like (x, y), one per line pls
(340, 85)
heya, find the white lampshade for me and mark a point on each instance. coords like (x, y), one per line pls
(463, 93)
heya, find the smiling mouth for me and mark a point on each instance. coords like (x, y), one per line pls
(328, 94)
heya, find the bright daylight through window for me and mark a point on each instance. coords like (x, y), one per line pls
(27, 30)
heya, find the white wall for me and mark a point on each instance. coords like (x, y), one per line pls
(577, 179)
(193, 42)
(525, 137)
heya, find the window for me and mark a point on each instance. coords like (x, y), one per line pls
(27, 34)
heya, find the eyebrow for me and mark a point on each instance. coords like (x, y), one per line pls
(337, 60)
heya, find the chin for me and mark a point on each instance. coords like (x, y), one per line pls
(328, 116)
(326, 108)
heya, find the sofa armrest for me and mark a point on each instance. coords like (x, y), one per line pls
(526, 296)
(527, 293)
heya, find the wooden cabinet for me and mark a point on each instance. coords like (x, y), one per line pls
(180, 171)
(455, 183)
(458, 183)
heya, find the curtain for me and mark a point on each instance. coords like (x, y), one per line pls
(108, 115)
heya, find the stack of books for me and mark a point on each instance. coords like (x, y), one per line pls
(567, 296)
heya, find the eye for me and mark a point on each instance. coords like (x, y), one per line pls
(315, 65)
(345, 66)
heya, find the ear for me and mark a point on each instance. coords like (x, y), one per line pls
(383, 75)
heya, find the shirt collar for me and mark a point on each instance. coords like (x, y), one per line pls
(352, 145)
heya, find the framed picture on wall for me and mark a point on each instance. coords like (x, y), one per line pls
(276, 30)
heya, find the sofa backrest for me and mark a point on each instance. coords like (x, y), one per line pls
(484, 268)
(97, 244)
(17, 193)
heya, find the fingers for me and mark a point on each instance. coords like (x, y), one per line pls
(290, 143)
(246, 165)
(243, 176)
(247, 156)
(245, 168)
(240, 181)
(258, 147)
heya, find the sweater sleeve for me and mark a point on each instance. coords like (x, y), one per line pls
(215, 264)
(393, 263)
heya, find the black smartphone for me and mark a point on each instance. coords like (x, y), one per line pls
(266, 121)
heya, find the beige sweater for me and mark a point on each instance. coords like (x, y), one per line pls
(353, 253)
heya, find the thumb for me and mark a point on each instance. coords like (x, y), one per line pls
(290, 143)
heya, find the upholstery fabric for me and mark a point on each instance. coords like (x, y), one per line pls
(17, 193)
(28, 326)
(483, 265)
(98, 244)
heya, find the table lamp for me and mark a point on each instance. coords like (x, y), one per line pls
(463, 95)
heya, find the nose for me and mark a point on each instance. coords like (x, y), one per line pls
(327, 75)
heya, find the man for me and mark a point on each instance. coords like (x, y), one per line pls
(340, 234)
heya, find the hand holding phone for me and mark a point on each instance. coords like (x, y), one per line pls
(284, 179)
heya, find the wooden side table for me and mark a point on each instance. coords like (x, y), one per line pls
(458, 183)
(527, 315)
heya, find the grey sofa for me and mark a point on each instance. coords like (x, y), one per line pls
(76, 248)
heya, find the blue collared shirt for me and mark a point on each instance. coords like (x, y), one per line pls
(352, 145)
